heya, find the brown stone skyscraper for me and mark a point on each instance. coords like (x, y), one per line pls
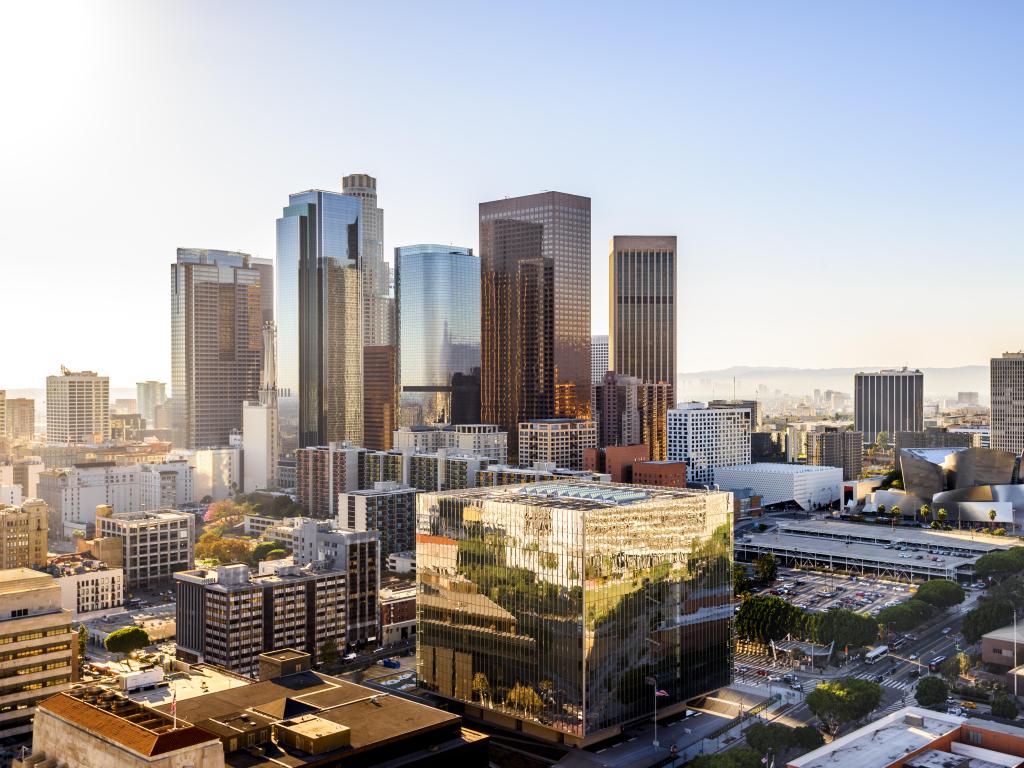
(535, 310)
(642, 315)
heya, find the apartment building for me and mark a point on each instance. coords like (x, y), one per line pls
(558, 441)
(155, 544)
(23, 534)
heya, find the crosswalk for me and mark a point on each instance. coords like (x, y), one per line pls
(753, 668)
(897, 685)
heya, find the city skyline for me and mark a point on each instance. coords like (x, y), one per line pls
(801, 144)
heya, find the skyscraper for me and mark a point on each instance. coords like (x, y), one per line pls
(380, 399)
(319, 320)
(599, 362)
(630, 412)
(77, 407)
(535, 309)
(260, 433)
(707, 439)
(888, 401)
(378, 306)
(152, 394)
(642, 316)
(216, 344)
(437, 290)
(1007, 388)
(21, 418)
(832, 447)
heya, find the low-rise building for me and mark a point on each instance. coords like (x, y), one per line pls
(502, 474)
(154, 544)
(806, 486)
(37, 647)
(397, 614)
(88, 587)
(402, 562)
(667, 474)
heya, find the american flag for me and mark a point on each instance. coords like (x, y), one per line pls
(660, 692)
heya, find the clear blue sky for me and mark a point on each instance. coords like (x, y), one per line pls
(846, 180)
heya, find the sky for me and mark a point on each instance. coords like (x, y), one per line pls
(846, 179)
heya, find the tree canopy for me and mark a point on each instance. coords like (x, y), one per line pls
(741, 757)
(1000, 563)
(942, 593)
(990, 615)
(765, 617)
(126, 640)
(905, 616)
(838, 702)
(766, 568)
(931, 691)
(1004, 706)
(223, 550)
(846, 628)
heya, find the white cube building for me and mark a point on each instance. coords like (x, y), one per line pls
(807, 486)
(707, 439)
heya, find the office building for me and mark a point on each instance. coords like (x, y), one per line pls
(465, 439)
(3, 413)
(319, 320)
(77, 407)
(667, 474)
(216, 344)
(388, 508)
(322, 472)
(888, 401)
(615, 460)
(21, 418)
(72, 495)
(26, 474)
(150, 395)
(89, 588)
(1007, 391)
(292, 717)
(752, 405)
(437, 293)
(937, 437)
(502, 474)
(631, 412)
(228, 616)
(23, 534)
(260, 453)
(217, 471)
(380, 396)
(967, 398)
(357, 555)
(556, 441)
(37, 650)
(642, 315)
(599, 361)
(523, 593)
(397, 613)
(535, 310)
(378, 306)
(808, 487)
(833, 447)
(154, 544)
(915, 737)
(706, 439)
(768, 447)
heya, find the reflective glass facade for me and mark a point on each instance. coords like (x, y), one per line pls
(437, 289)
(319, 326)
(535, 309)
(551, 603)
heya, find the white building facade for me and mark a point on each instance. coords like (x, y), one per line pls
(707, 439)
(807, 486)
(77, 408)
(465, 439)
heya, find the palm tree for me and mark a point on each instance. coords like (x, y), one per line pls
(924, 511)
(895, 512)
(943, 515)
(992, 518)
(881, 509)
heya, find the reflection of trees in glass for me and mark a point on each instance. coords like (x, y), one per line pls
(481, 686)
(524, 698)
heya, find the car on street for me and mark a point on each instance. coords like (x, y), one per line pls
(775, 678)
(946, 630)
(912, 657)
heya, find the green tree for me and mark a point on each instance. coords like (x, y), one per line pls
(276, 554)
(990, 615)
(942, 593)
(328, 652)
(955, 666)
(763, 737)
(740, 757)
(881, 509)
(943, 515)
(83, 644)
(806, 738)
(845, 628)
(931, 691)
(924, 511)
(905, 616)
(838, 702)
(992, 515)
(481, 687)
(126, 641)
(1004, 706)
(264, 548)
(766, 568)
(525, 698)
(762, 618)
(896, 512)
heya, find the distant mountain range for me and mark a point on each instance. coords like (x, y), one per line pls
(705, 385)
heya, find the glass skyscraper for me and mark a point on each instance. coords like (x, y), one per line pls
(319, 320)
(437, 290)
(535, 310)
(555, 603)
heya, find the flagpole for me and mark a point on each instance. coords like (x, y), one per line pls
(655, 715)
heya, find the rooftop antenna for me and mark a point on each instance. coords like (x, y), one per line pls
(733, 387)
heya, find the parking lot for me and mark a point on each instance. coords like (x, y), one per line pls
(816, 591)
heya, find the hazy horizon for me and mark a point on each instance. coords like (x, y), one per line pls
(845, 181)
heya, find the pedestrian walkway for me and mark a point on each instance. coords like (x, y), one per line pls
(896, 685)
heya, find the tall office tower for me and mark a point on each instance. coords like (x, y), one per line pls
(556, 441)
(832, 447)
(150, 395)
(21, 418)
(1007, 389)
(555, 603)
(599, 361)
(216, 344)
(437, 292)
(535, 310)
(642, 316)
(23, 534)
(3, 413)
(378, 306)
(319, 321)
(38, 662)
(889, 401)
(380, 396)
(77, 407)
(260, 452)
(266, 269)
(630, 412)
(708, 438)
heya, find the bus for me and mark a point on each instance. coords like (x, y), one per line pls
(933, 665)
(880, 652)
